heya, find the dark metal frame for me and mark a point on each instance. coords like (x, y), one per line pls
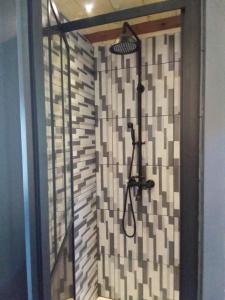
(34, 157)
(121, 15)
(63, 133)
(52, 137)
(191, 86)
(191, 38)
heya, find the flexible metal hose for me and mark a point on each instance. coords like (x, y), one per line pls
(128, 194)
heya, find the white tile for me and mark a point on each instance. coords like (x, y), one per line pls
(104, 141)
(104, 183)
(103, 58)
(106, 277)
(103, 91)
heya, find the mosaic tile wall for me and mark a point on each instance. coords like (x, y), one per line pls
(145, 267)
(84, 162)
(84, 159)
(62, 275)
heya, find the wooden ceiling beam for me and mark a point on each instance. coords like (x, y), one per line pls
(141, 28)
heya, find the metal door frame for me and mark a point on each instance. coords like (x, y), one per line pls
(190, 104)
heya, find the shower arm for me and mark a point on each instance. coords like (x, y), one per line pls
(126, 25)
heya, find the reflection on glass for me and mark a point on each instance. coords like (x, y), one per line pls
(59, 172)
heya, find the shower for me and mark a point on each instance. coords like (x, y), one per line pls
(128, 43)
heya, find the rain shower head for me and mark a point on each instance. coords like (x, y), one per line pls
(127, 43)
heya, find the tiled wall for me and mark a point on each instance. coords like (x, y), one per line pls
(84, 164)
(62, 275)
(147, 266)
(57, 113)
(83, 105)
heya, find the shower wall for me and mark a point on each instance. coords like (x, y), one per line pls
(146, 267)
(85, 210)
(59, 165)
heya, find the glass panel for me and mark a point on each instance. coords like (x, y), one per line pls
(59, 171)
(150, 261)
(12, 240)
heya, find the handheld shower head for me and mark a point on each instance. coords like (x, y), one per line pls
(131, 127)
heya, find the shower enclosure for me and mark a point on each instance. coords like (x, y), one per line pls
(25, 202)
(100, 106)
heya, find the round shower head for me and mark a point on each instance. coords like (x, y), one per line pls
(125, 44)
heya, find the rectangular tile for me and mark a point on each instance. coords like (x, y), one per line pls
(161, 137)
(103, 58)
(106, 231)
(104, 141)
(84, 176)
(177, 88)
(103, 94)
(61, 230)
(124, 246)
(104, 182)
(118, 96)
(155, 50)
(85, 225)
(124, 92)
(83, 142)
(132, 281)
(85, 276)
(158, 97)
(82, 80)
(162, 140)
(83, 111)
(163, 199)
(156, 240)
(106, 276)
(51, 242)
(161, 49)
(112, 240)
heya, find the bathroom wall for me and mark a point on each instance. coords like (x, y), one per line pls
(85, 227)
(59, 165)
(13, 283)
(147, 266)
(213, 118)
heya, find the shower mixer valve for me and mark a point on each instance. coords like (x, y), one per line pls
(141, 183)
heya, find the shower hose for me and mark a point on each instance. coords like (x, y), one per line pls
(130, 185)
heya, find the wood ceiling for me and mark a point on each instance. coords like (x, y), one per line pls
(75, 9)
